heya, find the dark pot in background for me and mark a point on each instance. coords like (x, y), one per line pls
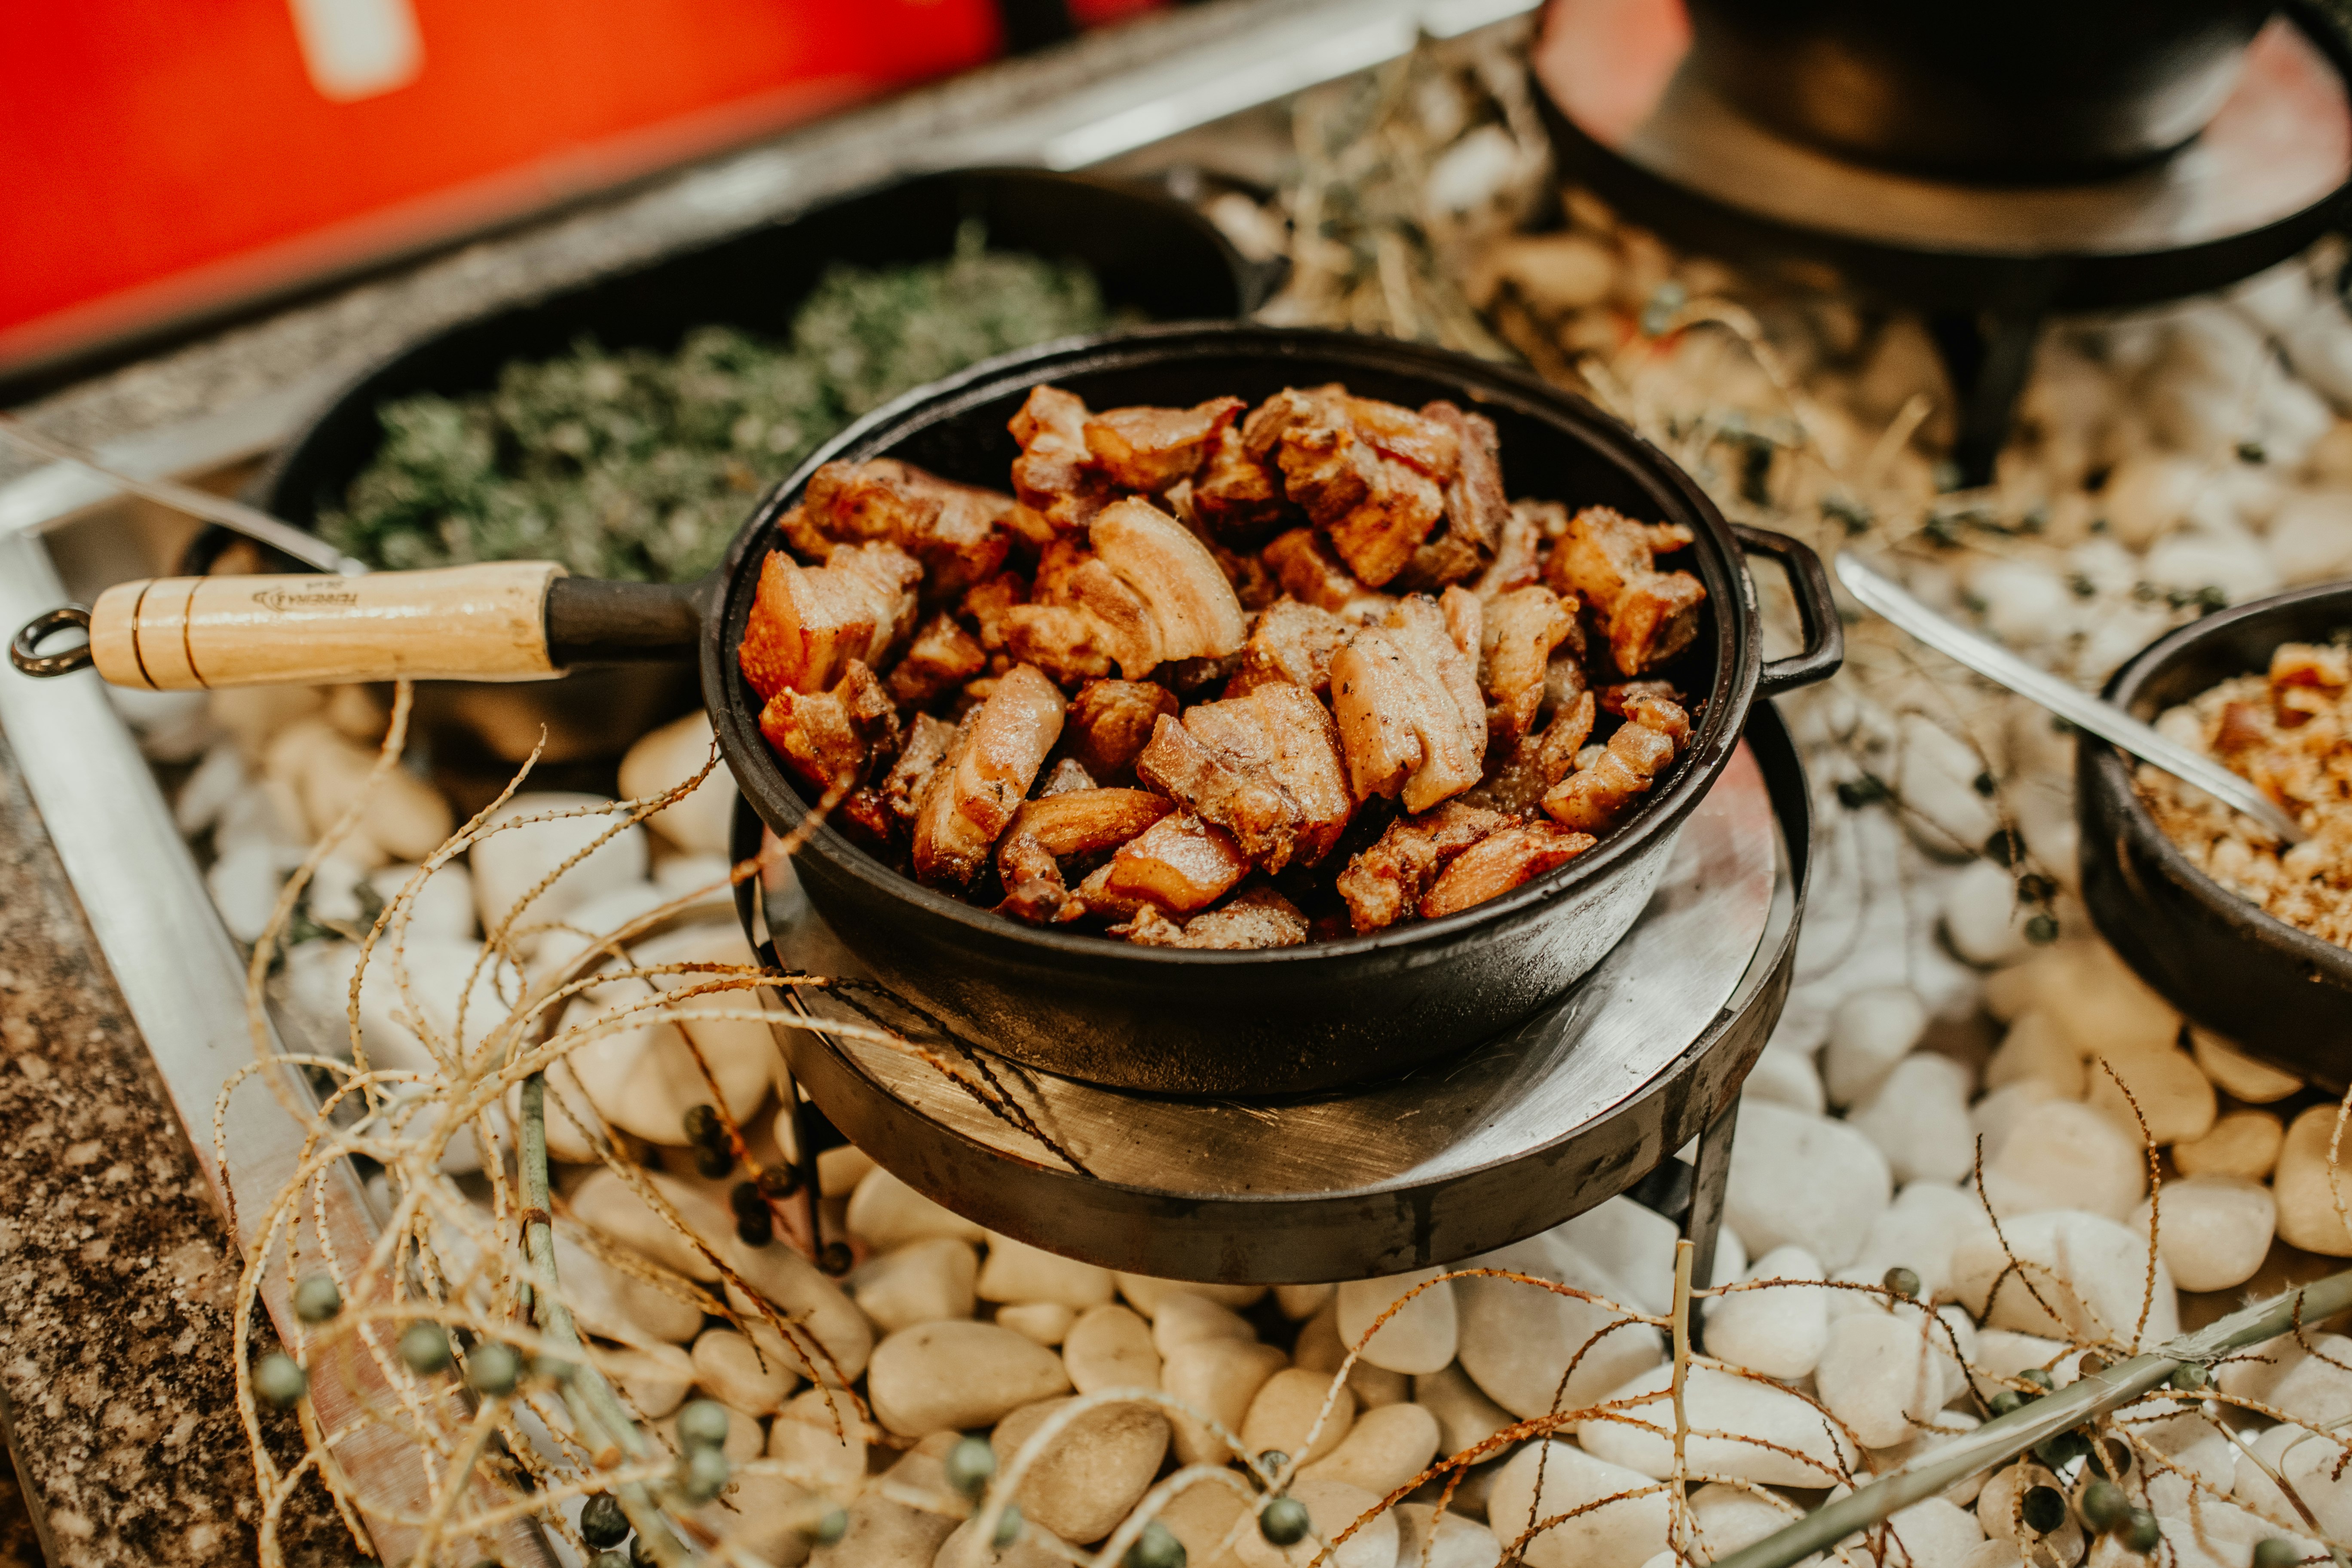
(2004, 91)
(2274, 989)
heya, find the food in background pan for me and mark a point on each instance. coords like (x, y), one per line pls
(1222, 676)
(639, 466)
(2290, 731)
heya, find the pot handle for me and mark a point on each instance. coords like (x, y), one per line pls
(509, 620)
(1817, 611)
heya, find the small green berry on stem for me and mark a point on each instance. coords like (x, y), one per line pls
(1008, 1527)
(2277, 1552)
(1903, 1282)
(755, 1229)
(2139, 1532)
(2007, 1400)
(316, 1299)
(703, 1127)
(712, 1162)
(425, 1347)
(494, 1368)
(833, 1258)
(1284, 1521)
(970, 1464)
(1157, 1547)
(609, 1560)
(2105, 1506)
(1271, 1462)
(2038, 1378)
(602, 1523)
(2189, 1376)
(703, 1424)
(2043, 1508)
(703, 1474)
(279, 1381)
(831, 1528)
(779, 1181)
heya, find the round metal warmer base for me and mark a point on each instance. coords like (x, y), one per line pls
(1579, 1103)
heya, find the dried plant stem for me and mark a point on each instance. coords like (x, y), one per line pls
(1677, 1526)
(2005, 1437)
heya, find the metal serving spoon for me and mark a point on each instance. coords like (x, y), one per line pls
(2077, 707)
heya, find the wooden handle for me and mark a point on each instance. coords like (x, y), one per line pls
(460, 622)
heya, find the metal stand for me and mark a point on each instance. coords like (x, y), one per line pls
(1589, 1099)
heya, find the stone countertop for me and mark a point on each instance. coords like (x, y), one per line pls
(116, 1272)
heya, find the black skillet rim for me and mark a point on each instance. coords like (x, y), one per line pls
(1739, 662)
(2118, 799)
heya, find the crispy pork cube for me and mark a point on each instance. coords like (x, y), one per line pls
(1518, 553)
(1311, 571)
(1412, 722)
(1060, 639)
(1238, 496)
(1256, 917)
(1055, 476)
(1654, 703)
(1476, 510)
(1034, 889)
(1069, 774)
(1113, 722)
(1224, 789)
(834, 737)
(1519, 781)
(1148, 449)
(959, 533)
(807, 623)
(995, 757)
(1502, 860)
(1606, 786)
(925, 747)
(1280, 732)
(1607, 559)
(987, 604)
(1293, 643)
(1180, 863)
(1121, 623)
(1387, 882)
(1375, 510)
(942, 657)
(1192, 606)
(1089, 821)
(1520, 632)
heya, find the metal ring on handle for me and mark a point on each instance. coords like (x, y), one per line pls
(23, 648)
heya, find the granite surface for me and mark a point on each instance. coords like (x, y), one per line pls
(115, 1269)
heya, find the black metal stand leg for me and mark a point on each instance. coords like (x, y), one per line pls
(1989, 356)
(1703, 1223)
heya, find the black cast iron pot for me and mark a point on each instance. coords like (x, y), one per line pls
(2274, 989)
(1150, 1019)
(1308, 1017)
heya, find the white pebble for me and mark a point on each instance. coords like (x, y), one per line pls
(1780, 1437)
(2024, 602)
(2305, 1374)
(1460, 1543)
(1295, 1406)
(2147, 496)
(1804, 1180)
(885, 1212)
(2244, 1143)
(2310, 538)
(664, 758)
(941, 1376)
(1518, 1341)
(1881, 1376)
(655, 1378)
(1333, 1507)
(1918, 1116)
(2064, 1155)
(2172, 1096)
(209, 789)
(245, 883)
(1184, 1319)
(2244, 1077)
(1920, 1231)
(1087, 1478)
(1870, 1032)
(1936, 776)
(921, 1282)
(442, 905)
(1300, 1302)
(1419, 1335)
(813, 1304)
(1218, 1378)
(2037, 1048)
(2089, 1270)
(1633, 1243)
(1108, 1347)
(1016, 1271)
(508, 864)
(1624, 1534)
(1145, 1292)
(1383, 1450)
(1465, 1416)
(1984, 919)
(1786, 1076)
(1777, 1332)
(740, 1375)
(2314, 1192)
(1047, 1323)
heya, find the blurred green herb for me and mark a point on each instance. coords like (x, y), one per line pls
(639, 466)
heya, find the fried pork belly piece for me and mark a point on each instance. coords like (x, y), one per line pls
(986, 605)
(1370, 475)
(1608, 561)
(1069, 774)
(1411, 720)
(1385, 882)
(1518, 781)
(1048, 830)
(1656, 703)
(928, 742)
(1152, 591)
(1148, 449)
(1253, 917)
(1500, 861)
(1605, 786)
(1520, 632)
(960, 532)
(1179, 864)
(1290, 641)
(1311, 571)
(1034, 889)
(1113, 722)
(1266, 767)
(834, 737)
(1518, 553)
(972, 798)
(1054, 474)
(1059, 639)
(942, 657)
(1476, 509)
(1238, 495)
(807, 623)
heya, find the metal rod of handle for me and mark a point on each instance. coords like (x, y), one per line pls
(251, 521)
(2070, 702)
